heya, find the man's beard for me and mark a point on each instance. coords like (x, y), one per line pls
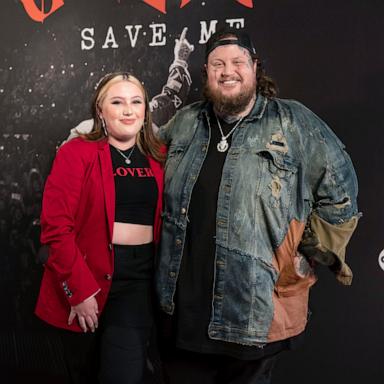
(230, 105)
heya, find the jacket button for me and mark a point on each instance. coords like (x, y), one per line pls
(108, 277)
(172, 274)
(110, 246)
(183, 211)
(178, 242)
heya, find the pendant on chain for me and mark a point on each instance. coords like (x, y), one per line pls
(222, 146)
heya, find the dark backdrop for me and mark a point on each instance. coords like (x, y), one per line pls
(326, 54)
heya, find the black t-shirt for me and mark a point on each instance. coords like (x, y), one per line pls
(195, 283)
(135, 187)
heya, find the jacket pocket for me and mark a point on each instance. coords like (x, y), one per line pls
(279, 179)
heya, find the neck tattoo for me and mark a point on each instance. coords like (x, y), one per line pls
(229, 119)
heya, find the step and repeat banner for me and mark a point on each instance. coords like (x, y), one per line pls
(326, 54)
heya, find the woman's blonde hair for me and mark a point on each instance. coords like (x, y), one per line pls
(146, 140)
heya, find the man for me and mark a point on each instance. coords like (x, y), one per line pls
(258, 190)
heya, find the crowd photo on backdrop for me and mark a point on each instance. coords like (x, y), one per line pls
(257, 192)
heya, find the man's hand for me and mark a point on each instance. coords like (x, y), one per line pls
(86, 313)
(314, 251)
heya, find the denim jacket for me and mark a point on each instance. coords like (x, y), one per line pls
(287, 200)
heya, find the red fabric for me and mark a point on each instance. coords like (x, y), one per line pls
(161, 5)
(77, 222)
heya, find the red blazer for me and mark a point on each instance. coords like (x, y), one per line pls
(76, 222)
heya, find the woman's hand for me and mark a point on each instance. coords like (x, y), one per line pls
(86, 313)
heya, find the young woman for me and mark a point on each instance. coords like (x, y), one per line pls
(101, 220)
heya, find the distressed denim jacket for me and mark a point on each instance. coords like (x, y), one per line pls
(287, 200)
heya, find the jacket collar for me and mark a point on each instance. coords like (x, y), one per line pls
(258, 109)
(102, 144)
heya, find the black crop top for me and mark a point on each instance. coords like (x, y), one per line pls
(135, 188)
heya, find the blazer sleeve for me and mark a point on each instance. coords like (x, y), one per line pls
(61, 197)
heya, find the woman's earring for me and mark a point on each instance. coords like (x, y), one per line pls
(104, 126)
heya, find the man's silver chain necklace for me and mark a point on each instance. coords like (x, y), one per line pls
(222, 146)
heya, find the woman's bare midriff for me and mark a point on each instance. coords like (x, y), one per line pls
(132, 234)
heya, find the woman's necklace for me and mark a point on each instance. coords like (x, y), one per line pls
(222, 146)
(127, 158)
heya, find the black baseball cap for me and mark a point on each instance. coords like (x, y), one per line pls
(227, 36)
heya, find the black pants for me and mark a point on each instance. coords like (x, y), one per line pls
(118, 352)
(191, 368)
